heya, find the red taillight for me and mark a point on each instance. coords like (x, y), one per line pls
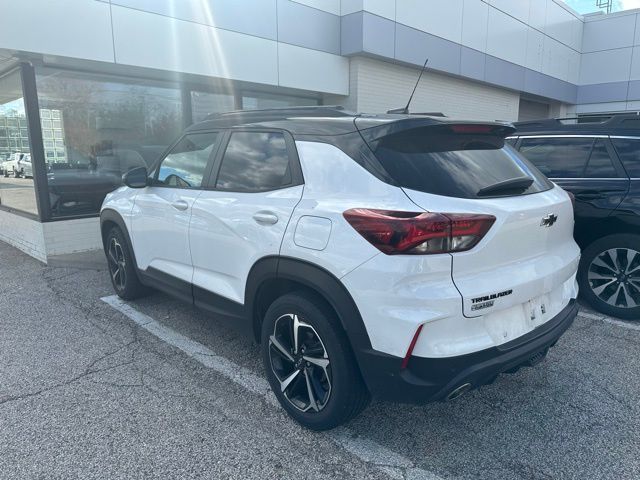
(411, 233)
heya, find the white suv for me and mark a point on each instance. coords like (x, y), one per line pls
(410, 258)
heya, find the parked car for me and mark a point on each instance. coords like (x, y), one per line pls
(4, 168)
(10, 166)
(18, 165)
(598, 160)
(24, 166)
(79, 191)
(407, 257)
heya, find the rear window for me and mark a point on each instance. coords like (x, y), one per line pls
(434, 161)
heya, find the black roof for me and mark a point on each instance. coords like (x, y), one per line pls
(588, 125)
(318, 120)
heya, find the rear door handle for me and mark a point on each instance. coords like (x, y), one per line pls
(265, 218)
(180, 204)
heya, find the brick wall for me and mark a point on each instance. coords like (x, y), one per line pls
(377, 86)
(23, 233)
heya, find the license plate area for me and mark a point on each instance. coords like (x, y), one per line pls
(513, 322)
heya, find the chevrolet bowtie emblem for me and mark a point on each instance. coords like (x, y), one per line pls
(549, 220)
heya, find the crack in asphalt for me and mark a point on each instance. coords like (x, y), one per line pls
(88, 371)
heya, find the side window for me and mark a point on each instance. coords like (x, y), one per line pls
(600, 164)
(185, 165)
(255, 161)
(558, 157)
(629, 152)
(512, 141)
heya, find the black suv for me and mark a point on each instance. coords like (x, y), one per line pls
(598, 160)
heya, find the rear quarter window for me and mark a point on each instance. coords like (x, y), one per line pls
(566, 157)
(628, 150)
(454, 165)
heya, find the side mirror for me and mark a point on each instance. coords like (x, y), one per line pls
(136, 178)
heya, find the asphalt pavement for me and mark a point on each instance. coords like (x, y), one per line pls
(91, 387)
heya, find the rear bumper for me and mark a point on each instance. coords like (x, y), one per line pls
(432, 379)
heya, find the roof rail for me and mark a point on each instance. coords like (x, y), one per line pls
(283, 112)
(601, 119)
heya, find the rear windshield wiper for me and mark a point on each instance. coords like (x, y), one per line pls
(513, 184)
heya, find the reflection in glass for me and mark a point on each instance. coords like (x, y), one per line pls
(205, 103)
(255, 161)
(101, 127)
(261, 100)
(184, 167)
(16, 173)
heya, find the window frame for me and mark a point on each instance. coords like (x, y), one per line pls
(617, 164)
(155, 172)
(292, 155)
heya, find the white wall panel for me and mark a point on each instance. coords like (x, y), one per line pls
(507, 37)
(609, 33)
(474, 24)
(71, 28)
(535, 49)
(350, 6)
(155, 41)
(227, 14)
(559, 24)
(635, 64)
(313, 70)
(331, 6)
(555, 60)
(574, 67)
(577, 30)
(604, 67)
(516, 8)
(443, 19)
(383, 8)
(538, 14)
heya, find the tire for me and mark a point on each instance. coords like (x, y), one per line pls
(332, 375)
(609, 276)
(122, 270)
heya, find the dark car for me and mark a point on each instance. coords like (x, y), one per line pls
(598, 160)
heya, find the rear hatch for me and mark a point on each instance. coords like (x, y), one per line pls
(526, 262)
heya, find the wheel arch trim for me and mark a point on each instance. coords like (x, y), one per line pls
(315, 278)
(109, 215)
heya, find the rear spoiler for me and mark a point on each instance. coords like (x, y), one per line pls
(493, 129)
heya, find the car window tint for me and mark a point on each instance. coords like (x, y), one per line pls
(437, 161)
(255, 161)
(185, 165)
(600, 163)
(629, 152)
(558, 157)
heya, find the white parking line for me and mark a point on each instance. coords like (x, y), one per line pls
(393, 464)
(612, 321)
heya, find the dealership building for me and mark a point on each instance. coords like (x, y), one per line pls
(92, 88)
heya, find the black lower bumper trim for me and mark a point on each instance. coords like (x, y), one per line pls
(431, 379)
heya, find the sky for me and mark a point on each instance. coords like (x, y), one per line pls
(589, 6)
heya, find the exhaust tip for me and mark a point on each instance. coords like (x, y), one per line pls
(462, 389)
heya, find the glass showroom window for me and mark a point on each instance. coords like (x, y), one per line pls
(16, 175)
(205, 103)
(261, 100)
(96, 128)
